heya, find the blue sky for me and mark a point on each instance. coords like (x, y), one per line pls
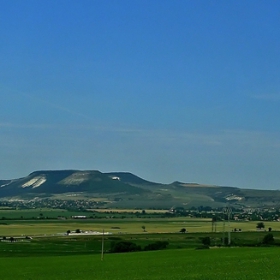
(167, 90)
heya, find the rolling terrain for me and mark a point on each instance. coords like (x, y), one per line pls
(123, 190)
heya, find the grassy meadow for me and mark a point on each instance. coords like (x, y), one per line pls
(91, 244)
(50, 254)
(224, 263)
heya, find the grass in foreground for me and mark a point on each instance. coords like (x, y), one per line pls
(226, 263)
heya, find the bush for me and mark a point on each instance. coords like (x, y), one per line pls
(268, 239)
(124, 246)
(206, 241)
(159, 245)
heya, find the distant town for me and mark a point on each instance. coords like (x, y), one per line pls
(90, 209)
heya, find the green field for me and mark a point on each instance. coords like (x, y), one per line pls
(91, 244)
(37, 213)
(50, 254)
(225, 263)
(115, 226)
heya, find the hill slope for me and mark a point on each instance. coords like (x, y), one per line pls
(65, 181)
(126, 190)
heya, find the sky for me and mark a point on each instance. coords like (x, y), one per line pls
(168, 90)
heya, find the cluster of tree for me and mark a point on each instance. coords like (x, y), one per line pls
(158, 245)
(127, 246)
(268, 239)
(260, 225)
(206, 241)
(124, 246)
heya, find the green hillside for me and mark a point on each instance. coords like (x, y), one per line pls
(126, 190)
(66, 181)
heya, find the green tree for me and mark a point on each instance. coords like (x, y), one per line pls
(124, 246)
(183, 230)
(144, 228)
(158, 245)
(268, 239)
(206, 241)
(260, 225)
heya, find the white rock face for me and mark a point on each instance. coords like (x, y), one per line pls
(2, 186)
(75, 179)
(35, 182)
(234, 197)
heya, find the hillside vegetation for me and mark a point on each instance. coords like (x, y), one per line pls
(126, 190)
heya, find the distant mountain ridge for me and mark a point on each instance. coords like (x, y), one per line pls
(124, 189)
(64, 181)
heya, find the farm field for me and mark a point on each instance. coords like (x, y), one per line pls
(50, 254)
(117, 210)
(123, 226)
(84, 244)
(223, 263)
(36, 213)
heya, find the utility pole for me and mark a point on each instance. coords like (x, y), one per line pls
(214, 224)
(224, 225)
(229, 210)
(102, 246)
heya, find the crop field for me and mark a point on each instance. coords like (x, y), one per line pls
(121, 226)
(51, 254)
(91, 244)
(225, 263)
(37, 213)
(116, 210)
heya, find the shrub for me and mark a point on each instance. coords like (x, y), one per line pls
(159, 245)
(124, 246)
(206, 241)
(268, 239)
